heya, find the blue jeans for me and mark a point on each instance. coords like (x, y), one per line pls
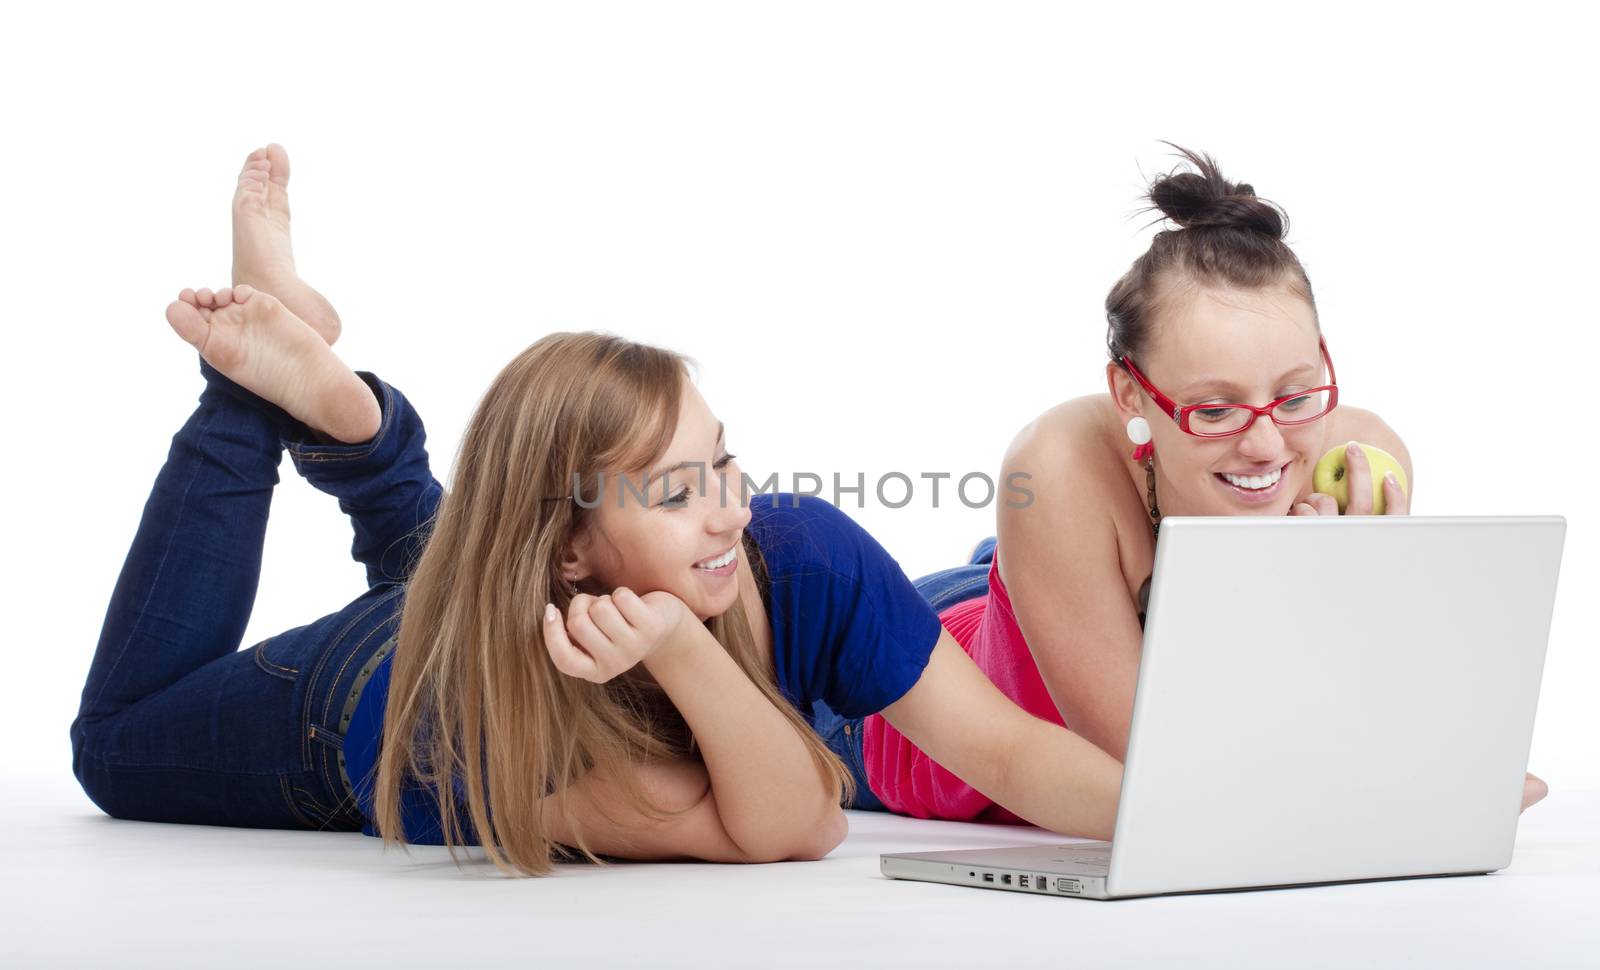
(948, 587)
(842, 735)
(941, 589)
(176, 723)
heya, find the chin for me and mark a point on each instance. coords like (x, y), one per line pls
(705, 610)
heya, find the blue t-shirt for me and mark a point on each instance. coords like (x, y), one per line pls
(848, 630)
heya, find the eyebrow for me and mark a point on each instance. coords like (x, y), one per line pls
(1228, 386)
(662, 473)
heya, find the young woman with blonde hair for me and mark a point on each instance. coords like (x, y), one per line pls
(591, 645)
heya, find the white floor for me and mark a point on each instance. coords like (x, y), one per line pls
(83, 890)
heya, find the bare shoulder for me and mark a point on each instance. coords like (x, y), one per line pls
(1082, 502)
(1058, 438)
(1074, 462)
(1364, 425)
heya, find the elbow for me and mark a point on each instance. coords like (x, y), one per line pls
(809, 844)
(824, 838)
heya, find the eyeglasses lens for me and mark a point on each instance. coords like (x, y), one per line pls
(1228, 419)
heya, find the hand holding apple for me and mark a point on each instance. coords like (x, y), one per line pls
(1355, 477)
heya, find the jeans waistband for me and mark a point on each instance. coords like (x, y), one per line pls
(352, 698)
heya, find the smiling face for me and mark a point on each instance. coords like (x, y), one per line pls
(683, 535)
(1225, 345)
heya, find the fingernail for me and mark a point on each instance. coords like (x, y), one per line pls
(1352, 448)
(550, 614)
(1389, 477)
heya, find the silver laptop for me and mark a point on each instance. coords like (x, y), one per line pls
(1319, 700)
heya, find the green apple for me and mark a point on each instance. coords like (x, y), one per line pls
(1330, 477)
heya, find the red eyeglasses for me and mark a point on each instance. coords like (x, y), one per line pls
(1224, 420)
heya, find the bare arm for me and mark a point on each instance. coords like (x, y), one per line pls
(770, 799)
(1060, 562)
(596, 811)
(1036, 769)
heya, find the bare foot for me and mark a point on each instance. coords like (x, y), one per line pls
(261, 255)
(253, 339)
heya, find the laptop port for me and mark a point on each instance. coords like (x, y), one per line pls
(1041, 882)
(1069, 886)
(988, 877)
(1006, 879)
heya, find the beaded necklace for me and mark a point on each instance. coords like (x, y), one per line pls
(1147, 453)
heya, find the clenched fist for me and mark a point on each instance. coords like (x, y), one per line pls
(605, 636)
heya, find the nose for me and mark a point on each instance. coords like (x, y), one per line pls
(728, 511)
(1262, 440)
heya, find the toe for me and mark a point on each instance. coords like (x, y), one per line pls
(188, 322)
(188, 297)
(243, 292)
(224, 296)
(205, 297)
(280, 163)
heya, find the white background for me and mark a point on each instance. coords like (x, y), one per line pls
(885, 231)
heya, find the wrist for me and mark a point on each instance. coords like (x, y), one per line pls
(679, 649)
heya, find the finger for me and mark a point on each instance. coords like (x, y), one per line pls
(1358, 475)
(1303, 508)
(632, 608)
(582, 631)
(578, 606)
(1324, 504)
(1395, 499)
(1533, 790)
(567, 658)
(605, 616)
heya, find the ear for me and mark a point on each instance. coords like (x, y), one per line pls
(1125, 391)
(575, 558)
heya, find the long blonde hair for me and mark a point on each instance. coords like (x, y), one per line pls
(473, 694)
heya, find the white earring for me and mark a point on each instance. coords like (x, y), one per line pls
(1138, 430)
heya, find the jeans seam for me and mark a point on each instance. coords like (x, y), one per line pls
(305, 720)
(856, 748)
(288, 799)
(347, 711)
(325, 816)
(165, 552)
(980, 582)
(960, 593)
(111, 765)
(327, 453)
(272, 667)
(344, 665)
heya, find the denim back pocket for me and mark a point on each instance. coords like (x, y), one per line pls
(264, 651)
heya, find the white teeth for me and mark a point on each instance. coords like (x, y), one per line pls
(718, 562)
(1254, 481)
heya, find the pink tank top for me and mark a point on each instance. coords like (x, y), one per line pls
(908, 781)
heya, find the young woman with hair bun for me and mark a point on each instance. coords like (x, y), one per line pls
(1218, 311)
